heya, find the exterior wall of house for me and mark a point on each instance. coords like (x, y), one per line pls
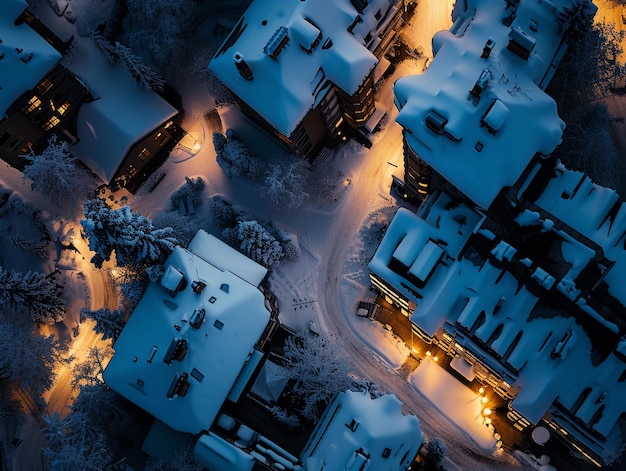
(49, 108)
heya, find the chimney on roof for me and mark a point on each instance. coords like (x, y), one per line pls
(242, 66)
(488, 47)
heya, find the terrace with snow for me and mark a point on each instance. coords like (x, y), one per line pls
(464, 116)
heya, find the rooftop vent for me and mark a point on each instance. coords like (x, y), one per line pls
(198, 286)
(520, 43)
(435, 122)
(179, 386)
(196, 318)
(242, 66)
(489, 45)
(481, 83)
(176, 351)
(277, 42)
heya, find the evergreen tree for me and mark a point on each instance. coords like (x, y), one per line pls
(108, 323)
(143, 74)
(58, 175)
(259, 244)
(575, 21)
(132, 237)
(27, 358)
(31, 294)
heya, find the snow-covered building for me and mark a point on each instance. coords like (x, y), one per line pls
(119, 130)
(196, 337)
(477, 117)
(37, 94)
(125, 131)
(355, 432)
(358, 432)
(531, 308)
(306, 69)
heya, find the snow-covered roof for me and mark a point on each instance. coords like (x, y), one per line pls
(479, 121)
(293, 47)
(122, 113)
(495, 316)
(358, 432)
(202, 340)
(595, 212)
(25, 57)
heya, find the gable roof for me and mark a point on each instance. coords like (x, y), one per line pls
(121, 114)
(25, 56)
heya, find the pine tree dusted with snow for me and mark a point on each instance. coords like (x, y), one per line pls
(234, 157)
(320, 369)
(58, 175)
(435, 452)
(27, 358)
(106, 48)
(109, 322)
(144, 75)
(575, 21)
(258, 244)
(38, 248)
(132, 237)
(30, 294)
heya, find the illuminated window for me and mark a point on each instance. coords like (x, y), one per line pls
(52, 122)
(33, 103)
(44, 86)
(144, 154)
(63, 108)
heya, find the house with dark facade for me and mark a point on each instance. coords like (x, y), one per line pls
(117, 129)
(306, 70)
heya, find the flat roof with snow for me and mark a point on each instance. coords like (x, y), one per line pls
(479, 121)
(121, 114)
(25, 57)
(179, 355)
(358, 432)
(293, 48)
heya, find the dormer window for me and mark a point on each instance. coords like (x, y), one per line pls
(435, 122)
(176, 351)
(179, 386)
(173, 279)
(197, 318)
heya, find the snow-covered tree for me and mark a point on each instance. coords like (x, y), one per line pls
(106, 47)
(27, 358)
(31, 294)
(143, 74)
(132, 237)
(234, 157)
(38, 248)
(219, 141)
(181, 460)
(222, 212)
(109, 322)
(284, 184)
(258, 244)
(288, 419)
(58, 175)
(435, 452)
(320, 368)
(575, 21)
(183, 227)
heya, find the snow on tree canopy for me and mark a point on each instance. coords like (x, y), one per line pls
(131, 236)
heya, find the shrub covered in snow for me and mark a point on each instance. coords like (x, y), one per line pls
(234, 157)
(258, 244)
(435, 452)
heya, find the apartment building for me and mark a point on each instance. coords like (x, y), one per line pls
(531, 309)
(477, 117)
(306, 70)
